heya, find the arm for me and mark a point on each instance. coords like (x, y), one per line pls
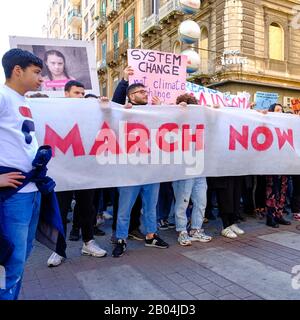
(120, 92)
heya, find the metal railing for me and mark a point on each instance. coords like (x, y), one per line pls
(75, 36)
(169, 7)
(74, 13)
(150, 22)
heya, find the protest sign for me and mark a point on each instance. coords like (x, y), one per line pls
(163, 73)
(64, 60)
(263, 100)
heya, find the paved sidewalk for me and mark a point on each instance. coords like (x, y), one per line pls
(255, 266)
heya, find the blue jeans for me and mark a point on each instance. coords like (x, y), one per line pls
(195, 189)
(127, 198)
(19, 221)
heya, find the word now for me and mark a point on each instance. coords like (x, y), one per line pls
(261, 138)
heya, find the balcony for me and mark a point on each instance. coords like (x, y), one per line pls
(126, 3)
(75, 17)
(101, 22)
(101, 67)
(126, 44)
(150, 25)
(113, 58)
(113, 10)
(170, 11)
(75, 36)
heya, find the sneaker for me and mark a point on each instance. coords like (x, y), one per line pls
(92, 249)
(162, 225)
(296, 216)
(228, 233)
(184, 239)
(156, 242)
(54, 260)
(236, 229)
(100, 220)
(119, 249)
(106, 215)
(199, 235)
(136, 235)
(171, 225)
(98, 232)
(74, 234)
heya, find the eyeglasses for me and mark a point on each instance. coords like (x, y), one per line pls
(139, 91)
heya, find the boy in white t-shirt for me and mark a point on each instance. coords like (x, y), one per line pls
(18, 147)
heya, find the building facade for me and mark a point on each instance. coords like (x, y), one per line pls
(113, 25)
(245, 45)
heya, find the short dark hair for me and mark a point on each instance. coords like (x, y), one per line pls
(38, 95)
(73, 83)
(90, 95)
(19, 57)
(133, 87)
(188, 98)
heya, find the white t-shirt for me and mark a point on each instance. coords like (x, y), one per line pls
(18, 144)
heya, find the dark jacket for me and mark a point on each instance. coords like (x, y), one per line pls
(50, 230)
(120, 92)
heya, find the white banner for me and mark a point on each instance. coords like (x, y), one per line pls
(207, 96)
(96, 147)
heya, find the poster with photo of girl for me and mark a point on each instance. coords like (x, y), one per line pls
(64, 60)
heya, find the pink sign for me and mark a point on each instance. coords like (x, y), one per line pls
(163, 73)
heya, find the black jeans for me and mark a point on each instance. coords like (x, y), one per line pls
(84, 209)
(229, 200)
(296, 194)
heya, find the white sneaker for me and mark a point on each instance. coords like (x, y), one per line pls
(106, 215)
(92, 249)
(184, 239)
(228, 233)
(199, 235)
(236, 229)
(100, 220)
(55, 260)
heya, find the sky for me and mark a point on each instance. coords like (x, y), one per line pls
(21, 18)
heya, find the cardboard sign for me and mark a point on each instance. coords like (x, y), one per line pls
(163, 73)
(265, 99)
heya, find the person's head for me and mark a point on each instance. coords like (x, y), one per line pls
(55, 64)
(187, 98)
(74, 89)
(22, 70)
(137, 94)
(276, 107)
(90, 95)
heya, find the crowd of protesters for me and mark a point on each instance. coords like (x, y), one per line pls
(184, 205)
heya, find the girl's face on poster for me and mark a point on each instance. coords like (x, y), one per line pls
(55, 65)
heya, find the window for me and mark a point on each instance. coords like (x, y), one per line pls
(103, 52)
(104, 90)
(177, 47)
(129, 32)
(276, 42)
(86, 23)
(154, 6)
(203, 49)
(116, 38)
(92, 14)
(103, 8)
